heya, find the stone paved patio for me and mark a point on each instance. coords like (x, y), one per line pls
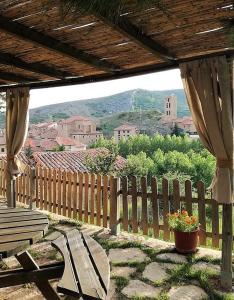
(140, 268)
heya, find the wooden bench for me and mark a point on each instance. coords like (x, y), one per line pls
(85, 271)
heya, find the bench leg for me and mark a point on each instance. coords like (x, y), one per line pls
(44, 286)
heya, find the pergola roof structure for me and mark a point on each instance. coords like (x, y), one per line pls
(39, 48)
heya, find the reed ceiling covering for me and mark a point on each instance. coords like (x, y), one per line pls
(40, 47)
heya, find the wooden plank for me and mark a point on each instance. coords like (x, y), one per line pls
(201, 212)
(23, 223)
(86, 198)
(165, 192)
(45, 187)
(67, 283)
(176, 194)
(134, 205)
(22, 218)
(155, 213)
(19, 214)
(49, 187)
(37, 188)
(87, 277)
(54, 198)
(4, 211)
(98, 207)
(28, 184)
(114, 206)
(105, 199)
(69, 193)
(92, 197)
(99, 260)
(41, 187)
(59, 191)
(144, 214)
(64, 199)
(24, 188)
(80, 196)
(31, 236)
(215, 224)
(188, 197)
(125, 202)
(74, 195)
(11, 248)
(23, 229)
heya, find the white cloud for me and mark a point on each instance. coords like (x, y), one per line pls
(155, 81)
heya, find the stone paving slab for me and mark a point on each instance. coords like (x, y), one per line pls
(128, 255)
(123, 271)
(208, 253)
(172, 257)
(155, 272)
(204, 266)
(187, 292)
(137, 288)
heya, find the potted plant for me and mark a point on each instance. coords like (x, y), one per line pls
(186, 229)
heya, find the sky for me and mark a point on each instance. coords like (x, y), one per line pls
(166, 80)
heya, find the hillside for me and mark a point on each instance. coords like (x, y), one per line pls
(146, 121)
(102, 107)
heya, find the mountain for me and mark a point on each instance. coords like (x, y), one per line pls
(133, 100)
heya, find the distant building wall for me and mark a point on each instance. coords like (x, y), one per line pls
(87, 138)
(124, 133)
(170, 107)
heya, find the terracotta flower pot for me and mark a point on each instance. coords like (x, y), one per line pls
(186, 242)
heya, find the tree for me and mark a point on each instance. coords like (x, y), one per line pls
(176, 130)
(28, 151)
(137, 165)
(104, 163)
(59, 148)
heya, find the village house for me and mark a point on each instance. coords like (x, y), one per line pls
(125, 131)
(82, 129)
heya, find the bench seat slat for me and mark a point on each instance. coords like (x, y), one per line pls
(99, 258)
(68, 284)
(88, 280)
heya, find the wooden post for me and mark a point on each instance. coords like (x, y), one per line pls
(226, 267)
(114, 206)
(32, 200)
(10, 190)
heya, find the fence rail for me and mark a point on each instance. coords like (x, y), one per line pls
(133, 205)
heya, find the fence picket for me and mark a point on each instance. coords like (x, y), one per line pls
(80, 196)
(125, 202)
(98, 203)
(41, 187)
(105, 199)
(92, 206)
(215, 224)
(188, 197)
(54, 198)
(201, 211)
(59, 191)
(86, 198)
(45, 189)
(74, 195)
(144, 213)
(134, 218)
(64, 194)
(69, 193)
(165, 192)
(176, 195)
(154, 201)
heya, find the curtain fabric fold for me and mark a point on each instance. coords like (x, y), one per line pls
(17, 101)
(208, 85)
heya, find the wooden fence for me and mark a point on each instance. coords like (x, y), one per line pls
(132, 205)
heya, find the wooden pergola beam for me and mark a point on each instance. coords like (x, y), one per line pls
(11, 77)
(126, 28)
(35, 37)
(11, 60)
